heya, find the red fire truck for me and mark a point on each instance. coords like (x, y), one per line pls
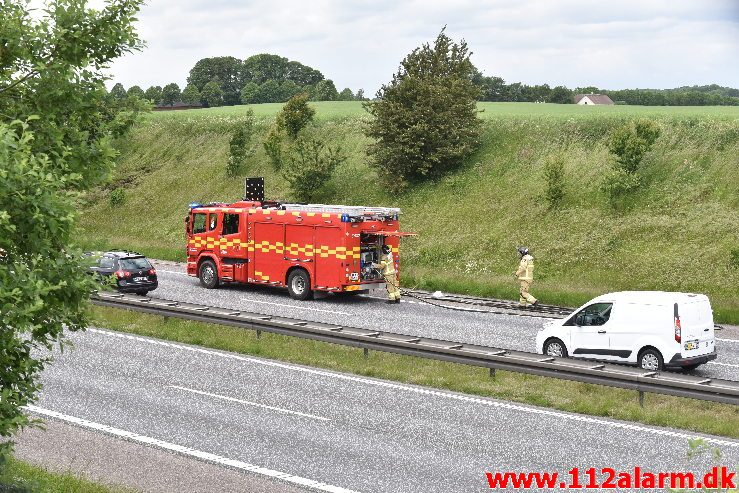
(306, 248)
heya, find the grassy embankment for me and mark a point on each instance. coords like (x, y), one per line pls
(678, 232)
(675, 412)
(21, 477)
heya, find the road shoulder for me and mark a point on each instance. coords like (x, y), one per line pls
(114, 461)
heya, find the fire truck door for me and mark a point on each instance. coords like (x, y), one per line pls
(330, 257)
(268, 264)
(299, 245)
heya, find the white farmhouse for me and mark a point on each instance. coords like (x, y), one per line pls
(592, 99)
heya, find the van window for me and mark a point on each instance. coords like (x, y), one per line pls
(592, 315)
(213, 221)
(230, 224)
(198, 223)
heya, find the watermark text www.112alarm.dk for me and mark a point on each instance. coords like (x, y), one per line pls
(609, 478)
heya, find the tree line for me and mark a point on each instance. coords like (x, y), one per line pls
(227, 81)
(494, 88)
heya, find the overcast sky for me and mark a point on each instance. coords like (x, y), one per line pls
(359, 43)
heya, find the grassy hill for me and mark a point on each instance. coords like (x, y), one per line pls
(681, 232)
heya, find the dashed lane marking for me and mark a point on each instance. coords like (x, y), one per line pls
(722, 364)
(248, 403)
(199, 454)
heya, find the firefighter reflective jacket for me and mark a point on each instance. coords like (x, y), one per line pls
(387, 264)
(525, 270)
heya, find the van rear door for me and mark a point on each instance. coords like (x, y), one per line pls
(696, 326)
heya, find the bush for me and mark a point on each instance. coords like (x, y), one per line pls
(273, 147)
(631, 142)
(239, 149)
(310, 166)
(295, 115)
(117, 197)
(554, 174)
(619, 183)
(425, 120)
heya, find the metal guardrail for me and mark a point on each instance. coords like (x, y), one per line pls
(625, 377)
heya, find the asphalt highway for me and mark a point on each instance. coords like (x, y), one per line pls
(328, 431)
(411, 317)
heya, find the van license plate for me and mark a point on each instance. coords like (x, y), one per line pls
(691, 345)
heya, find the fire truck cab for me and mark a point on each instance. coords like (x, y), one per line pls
(304, 247)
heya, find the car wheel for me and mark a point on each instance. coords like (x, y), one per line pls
(298, 285)
(650, 359)
(208, 274)
(555, 347)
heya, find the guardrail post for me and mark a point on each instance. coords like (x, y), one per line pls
(492, 373)
(259, 333)
(641, 398)
(366, 353)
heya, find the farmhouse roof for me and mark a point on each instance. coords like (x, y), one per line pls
(595, 98)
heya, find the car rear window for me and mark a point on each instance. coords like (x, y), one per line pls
(136, 263)
(107, 263)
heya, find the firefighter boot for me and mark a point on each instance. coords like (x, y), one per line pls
(526, 297)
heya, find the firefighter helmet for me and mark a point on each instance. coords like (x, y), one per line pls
(523, 251)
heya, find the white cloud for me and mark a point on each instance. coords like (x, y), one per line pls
(359, 43)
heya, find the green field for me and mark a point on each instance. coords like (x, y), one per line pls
(678, 233)
(328, 110)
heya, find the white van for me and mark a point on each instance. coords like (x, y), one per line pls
(652, 329)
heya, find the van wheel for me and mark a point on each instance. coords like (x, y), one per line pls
(208, 274)
(650, 359)
(555, 347)
(298, 285)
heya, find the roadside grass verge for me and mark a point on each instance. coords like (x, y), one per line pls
(17, 476)
(675, 412)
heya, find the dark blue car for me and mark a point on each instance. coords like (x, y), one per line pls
(132, 272)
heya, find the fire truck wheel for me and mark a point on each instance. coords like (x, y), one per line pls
(208, 274)
(298, 285)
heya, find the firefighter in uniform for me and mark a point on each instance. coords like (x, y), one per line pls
(525, 275)
(387, 266)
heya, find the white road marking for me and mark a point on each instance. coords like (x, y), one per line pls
(173, 272)
(180, 449)
(727, 340)
(723, 364)
(419, 390)
(249, 403)
(297, 307)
